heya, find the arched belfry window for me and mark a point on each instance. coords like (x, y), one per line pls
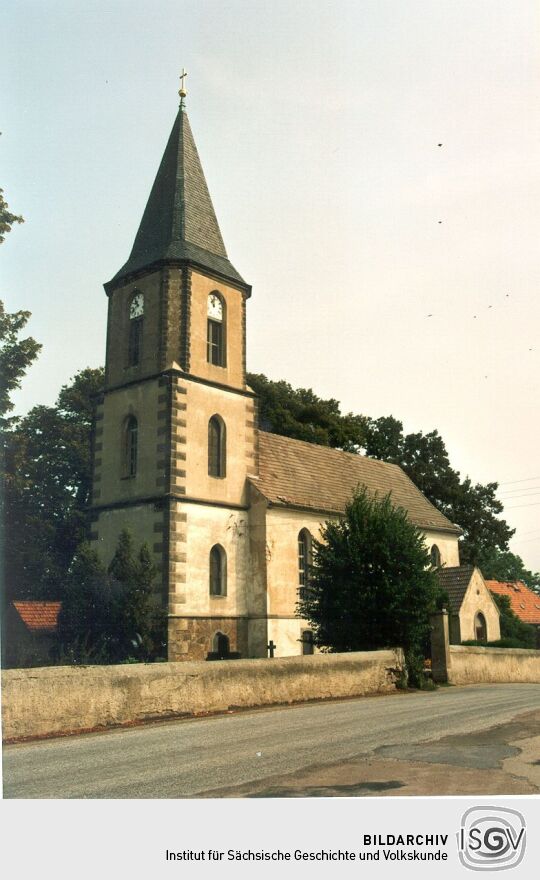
(215, 347)
(304, 557)
(217, 440)
(435, 555)
(218, 571)
(136, 319)
(130, 443)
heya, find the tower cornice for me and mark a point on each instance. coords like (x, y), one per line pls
(221, 277)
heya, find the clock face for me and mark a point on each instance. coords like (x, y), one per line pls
(136, 308)
(215, 307)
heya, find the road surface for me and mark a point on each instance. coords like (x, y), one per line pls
(468, 740)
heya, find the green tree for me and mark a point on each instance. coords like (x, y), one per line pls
(135, 573)
(16, 354)
(370, 585)
(7, 219)
(48, 484)
(111, 615)
(504, 565)
(424, 458)
(90, 616)
(300, 414)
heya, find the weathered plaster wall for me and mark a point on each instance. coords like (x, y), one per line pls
(54, 700)
(110, 484)
(282, 529)
(117, 369)
(478, 598)
(195, 615)
(471, 665)
(233, 371)
(237, 412)
(447, 544)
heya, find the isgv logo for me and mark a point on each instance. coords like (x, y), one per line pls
(491, 838)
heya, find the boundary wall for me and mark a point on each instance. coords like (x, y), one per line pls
(57, 700)
(470, 664)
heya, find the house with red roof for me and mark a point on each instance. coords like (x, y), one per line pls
(29, 632)
(524, 602)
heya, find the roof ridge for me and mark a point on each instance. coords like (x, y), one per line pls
(354, 455)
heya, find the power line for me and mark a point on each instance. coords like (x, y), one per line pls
(517, 493)
(506, 498)
(519, 489)
(515, 507)
(527, 540)
(524, 480)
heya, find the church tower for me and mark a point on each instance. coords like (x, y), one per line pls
(175, 432)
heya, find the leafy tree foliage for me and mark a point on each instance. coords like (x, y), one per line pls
(370, 585)
(110, 616)
(89, 617)
(299, 413)
(16, 355)
(48, 483)
(135, 573)
(504, 565)
(425, 460)
(7, 219)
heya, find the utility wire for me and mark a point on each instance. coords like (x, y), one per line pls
(524, 480)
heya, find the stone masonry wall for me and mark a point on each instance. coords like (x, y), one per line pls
(57, 700)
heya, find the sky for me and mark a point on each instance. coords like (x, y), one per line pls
(391, 273)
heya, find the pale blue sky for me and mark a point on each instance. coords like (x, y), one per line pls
(317, 125)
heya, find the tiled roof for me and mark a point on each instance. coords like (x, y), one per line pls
(454, 581)
(39, 616)
(179, 222)
(293, 473)
(524, 602)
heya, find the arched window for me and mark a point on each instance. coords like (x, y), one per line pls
(130, 442)
(215, 347)
(480, 628)
(217, 438)
(218, 571)
(136, 318)
(435, 555)
(304, 557)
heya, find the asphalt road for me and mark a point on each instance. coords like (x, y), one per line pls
(255, 753)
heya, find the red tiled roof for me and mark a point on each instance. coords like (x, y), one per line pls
(39, 616)
(524, 602)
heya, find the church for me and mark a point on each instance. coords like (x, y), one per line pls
(229, 511)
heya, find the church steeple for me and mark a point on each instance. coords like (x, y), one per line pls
(179, 222)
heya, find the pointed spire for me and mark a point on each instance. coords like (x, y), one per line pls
(179, 222)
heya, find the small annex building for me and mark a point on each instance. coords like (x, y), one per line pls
(29, 632)
(473, 614)
(229, 511)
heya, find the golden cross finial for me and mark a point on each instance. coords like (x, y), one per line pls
(182, 90)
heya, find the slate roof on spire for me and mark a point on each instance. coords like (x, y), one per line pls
(179, 222)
